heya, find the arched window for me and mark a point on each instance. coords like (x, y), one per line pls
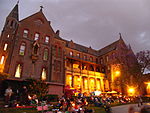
(22, 49)
(43, 76)
(36, 36)
(2, 60)
(5, 46)
(59, 52)
(25, 33)
(91, 68)
(18, 71)
(46, 39)
(11, 24)
(45, 57)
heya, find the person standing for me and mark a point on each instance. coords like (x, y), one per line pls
(8, 94)
(24, 95)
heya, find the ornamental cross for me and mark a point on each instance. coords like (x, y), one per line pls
(41, 8)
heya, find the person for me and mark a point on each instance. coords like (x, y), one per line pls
(140, 101)
(131, 109)
(24, 95)
(8, 94)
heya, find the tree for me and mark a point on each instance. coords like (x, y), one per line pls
(37, 87)
(143, 58)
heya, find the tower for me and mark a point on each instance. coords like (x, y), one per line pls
(7, 39)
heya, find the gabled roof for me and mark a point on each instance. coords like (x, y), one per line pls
(14, 13)
(108, 48)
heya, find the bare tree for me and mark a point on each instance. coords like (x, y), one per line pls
(143, 58)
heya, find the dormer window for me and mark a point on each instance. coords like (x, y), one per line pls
(46, 39)
(25, 33)
(36, 37)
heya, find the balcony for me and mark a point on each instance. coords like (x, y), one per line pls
(91, 73)
(84, 71)
(76, 70)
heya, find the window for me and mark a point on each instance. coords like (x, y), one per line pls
(18, 71)
(5, 46)
(25, 33)
(22, 49)
(71, 53)
(85, 57)
(101, 61)
(43, 76)
(78, 55)
(91, 58)
(7, 36)
(2, 60)
(46, 39)
(11, 24)
(36, 37)
(107, 58)
(59, 52)
(45, 57)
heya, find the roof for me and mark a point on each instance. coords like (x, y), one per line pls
(108, 48)
(14, 12)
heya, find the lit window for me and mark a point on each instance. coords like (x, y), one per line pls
(71, 53)
(36, 37)
(91, 58)
(45, 57)
(18, 71)
(22, 49)
(47, 39)
(5, 47)
(78, 55)
(43, 76)
(7, 36)
(107, 59)
(25, 33)
(85, 57)
(2, 60)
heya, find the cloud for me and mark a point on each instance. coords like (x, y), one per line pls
(93, 23)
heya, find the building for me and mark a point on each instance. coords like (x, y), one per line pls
(30, 48)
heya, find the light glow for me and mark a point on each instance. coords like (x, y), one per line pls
(2, 60)
(5, 47)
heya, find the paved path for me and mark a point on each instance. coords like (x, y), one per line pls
(124, 108)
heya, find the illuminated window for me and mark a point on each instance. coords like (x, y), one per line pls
(2, 60)
(85, 57)
(91, 58)
(7, 36)
(18, 71)
(36, 37)
(85, 83)
(25, 33)
(43, 76)
(71, 53)
(5, 46)
(22, 49)
(45, 57)
(107, 58)
(46, 39)
(78, 55)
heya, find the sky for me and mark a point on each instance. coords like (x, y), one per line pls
(95, 23)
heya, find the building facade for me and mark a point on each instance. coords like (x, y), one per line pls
(30, 48)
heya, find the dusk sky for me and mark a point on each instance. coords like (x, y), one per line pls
(94, 23)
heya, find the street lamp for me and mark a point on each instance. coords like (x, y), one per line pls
(131, 91)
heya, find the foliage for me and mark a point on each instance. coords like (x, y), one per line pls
(3, 76)
(143, 58)
(38, 87)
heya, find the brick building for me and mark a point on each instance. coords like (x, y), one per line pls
(31, 48)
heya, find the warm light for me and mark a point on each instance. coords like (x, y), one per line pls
(5, 47)
(131, 91)
(97, 93)
(2, 60)
(117, 73)
(18, 71)
(43, 74)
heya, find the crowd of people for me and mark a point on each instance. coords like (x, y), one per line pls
(78, 104)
